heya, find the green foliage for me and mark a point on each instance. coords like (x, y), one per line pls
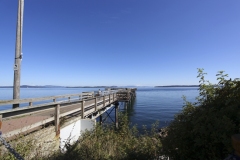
(109, 143)
(202, 130)
(104, 142)
(24, 147)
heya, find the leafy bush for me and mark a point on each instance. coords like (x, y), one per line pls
(202, 130)
(104, 142)
(109, 143)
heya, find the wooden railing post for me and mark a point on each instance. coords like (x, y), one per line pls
(103, 101)
(82, 110)
(95, 104)
(0, 122)
(57, 119)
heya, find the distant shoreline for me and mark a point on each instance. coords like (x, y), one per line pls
(52, 86)
(179, 86)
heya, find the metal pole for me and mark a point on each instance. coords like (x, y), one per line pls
(18, 53)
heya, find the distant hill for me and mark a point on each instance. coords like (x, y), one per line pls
(53, 86)
(179, 86)
(30, 86)
(6, 86)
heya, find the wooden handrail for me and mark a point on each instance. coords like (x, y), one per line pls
(27, 100)
(53, 98)
(92, 105)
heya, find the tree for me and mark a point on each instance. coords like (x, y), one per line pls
(202, 130)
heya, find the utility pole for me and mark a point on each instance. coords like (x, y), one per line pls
(18, 53)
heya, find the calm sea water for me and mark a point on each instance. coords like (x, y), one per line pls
(151, 104)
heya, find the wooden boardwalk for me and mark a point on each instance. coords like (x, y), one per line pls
(37, 115)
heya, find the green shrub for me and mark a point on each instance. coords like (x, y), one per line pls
(23, 147)
(105, 142)
(202, 130)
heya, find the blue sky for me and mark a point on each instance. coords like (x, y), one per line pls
(121, 42)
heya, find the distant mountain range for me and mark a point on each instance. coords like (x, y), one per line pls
(53, 86)
(179, 86)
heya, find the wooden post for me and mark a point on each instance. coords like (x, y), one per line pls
(30, 103)
(18, 54)
(95, 103)
(103, 101)
(54, 100)
(82, 110)
(116, 115)
(69, 99)
(57, 120)
(0, 122)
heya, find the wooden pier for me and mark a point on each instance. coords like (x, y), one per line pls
(40, 112)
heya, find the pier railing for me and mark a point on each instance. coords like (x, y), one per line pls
(37, 112)
(29, 103)
(84, 104)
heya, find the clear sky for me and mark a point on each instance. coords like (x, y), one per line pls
(121, 42)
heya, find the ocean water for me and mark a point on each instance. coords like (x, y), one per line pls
(159, 104)
(151, 104)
